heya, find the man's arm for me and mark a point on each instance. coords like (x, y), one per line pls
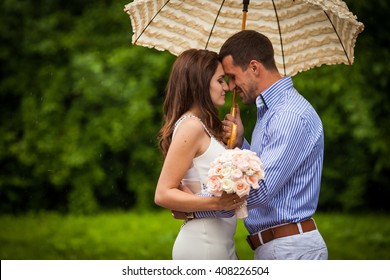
(286, 146)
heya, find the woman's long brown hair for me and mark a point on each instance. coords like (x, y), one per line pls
(189, 84)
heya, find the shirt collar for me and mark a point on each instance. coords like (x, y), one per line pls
(260, 101)
(271, 95)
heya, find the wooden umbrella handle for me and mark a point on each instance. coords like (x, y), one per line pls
(233, 111)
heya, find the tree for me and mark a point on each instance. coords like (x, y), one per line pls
(354, 106)
(81, 108)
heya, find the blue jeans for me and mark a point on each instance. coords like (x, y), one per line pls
(306, 246)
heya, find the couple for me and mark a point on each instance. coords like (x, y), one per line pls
(288, 137)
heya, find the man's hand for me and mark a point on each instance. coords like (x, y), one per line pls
(227, 124)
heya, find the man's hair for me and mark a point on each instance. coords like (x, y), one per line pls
(248, 45)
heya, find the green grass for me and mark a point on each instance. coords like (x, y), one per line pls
(133, 236)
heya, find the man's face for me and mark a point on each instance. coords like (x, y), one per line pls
(242, 82)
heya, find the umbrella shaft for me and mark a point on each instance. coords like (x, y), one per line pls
(243, 25)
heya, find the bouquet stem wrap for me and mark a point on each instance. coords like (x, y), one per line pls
(242, 211)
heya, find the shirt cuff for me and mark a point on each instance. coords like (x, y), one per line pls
(214, 214)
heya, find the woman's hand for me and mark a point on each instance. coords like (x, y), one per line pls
(224, 202)
(229, 201)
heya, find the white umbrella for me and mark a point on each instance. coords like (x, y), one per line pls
(304, 33)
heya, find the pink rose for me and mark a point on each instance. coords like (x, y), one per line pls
(254, 165)
(214, 185)
(236, 174)
(216, 170)
(253, 181)
(242, 188)
(243, 164)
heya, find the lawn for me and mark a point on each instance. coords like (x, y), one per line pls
(150, 235)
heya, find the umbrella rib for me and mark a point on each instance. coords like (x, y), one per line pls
(280, 36)
(338, 36)
(215, 21)
(135, 41)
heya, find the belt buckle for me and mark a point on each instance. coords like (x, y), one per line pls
(248, 239)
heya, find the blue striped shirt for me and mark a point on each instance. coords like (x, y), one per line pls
(289, 139)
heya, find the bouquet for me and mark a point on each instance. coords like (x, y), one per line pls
(235, 171)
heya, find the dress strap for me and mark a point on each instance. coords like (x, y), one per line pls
(182, 118)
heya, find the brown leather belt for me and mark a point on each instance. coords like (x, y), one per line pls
(262, 237)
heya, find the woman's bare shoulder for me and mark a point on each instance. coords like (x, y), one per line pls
(190, 126)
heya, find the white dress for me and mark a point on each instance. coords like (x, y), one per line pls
(206, 238)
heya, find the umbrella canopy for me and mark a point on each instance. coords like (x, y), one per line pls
(304, 33)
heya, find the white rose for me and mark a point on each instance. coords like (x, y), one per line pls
(227, 170)
(228, 185)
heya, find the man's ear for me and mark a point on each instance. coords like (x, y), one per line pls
(255, 67)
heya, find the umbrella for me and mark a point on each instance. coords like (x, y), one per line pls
(304, 33)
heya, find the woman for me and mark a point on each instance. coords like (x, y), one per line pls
(189, 140)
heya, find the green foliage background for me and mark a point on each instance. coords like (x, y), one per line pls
(131, 235)
(80, 108)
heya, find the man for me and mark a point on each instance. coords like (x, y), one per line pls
(288, 137)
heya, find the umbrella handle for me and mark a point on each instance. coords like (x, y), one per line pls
(233, 111)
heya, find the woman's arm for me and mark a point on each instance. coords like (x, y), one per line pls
(190, 141)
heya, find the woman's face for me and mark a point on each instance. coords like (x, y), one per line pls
(218, 87)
